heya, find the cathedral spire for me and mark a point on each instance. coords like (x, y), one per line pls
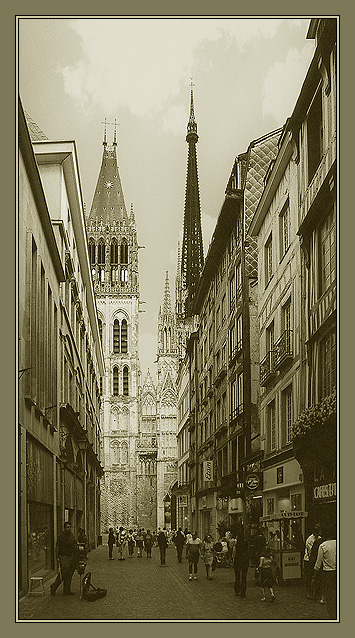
(192, 245)
(167, 299)
(108, 202)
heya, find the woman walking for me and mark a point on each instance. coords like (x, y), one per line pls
(207, 553)
(193, 549)
(139, 543)
(148, 542)
(267, 577)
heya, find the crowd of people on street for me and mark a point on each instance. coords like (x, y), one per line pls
(233, 549)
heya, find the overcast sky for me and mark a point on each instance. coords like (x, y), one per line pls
(247, 75)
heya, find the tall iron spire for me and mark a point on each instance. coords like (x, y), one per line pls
(192, 245)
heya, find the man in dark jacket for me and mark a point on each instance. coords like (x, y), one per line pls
(241, 559)
(162, 543)
(67, 549)
(179, 540)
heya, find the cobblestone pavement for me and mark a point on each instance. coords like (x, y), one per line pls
(141, 589)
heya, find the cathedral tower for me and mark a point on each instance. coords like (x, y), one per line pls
(192, 245)
(113, 253)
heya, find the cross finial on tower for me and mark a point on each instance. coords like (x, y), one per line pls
(114, 134)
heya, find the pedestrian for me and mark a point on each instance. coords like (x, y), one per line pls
(110, 542)
(179, 541)
(259, 549)
(316, 591)
(162, 544)
(231, 544)
(327, 560)
(120, 543)
(139, 543)
(240, 559)
(130, 543)
(266, 573)
(193, 549)
(148, 543)
(307, 568)
(67, 551)
(207, 553)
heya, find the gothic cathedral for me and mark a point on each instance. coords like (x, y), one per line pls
(138, 423)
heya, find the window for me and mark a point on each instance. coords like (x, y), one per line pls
(296, 502)
(116, 336)
(115, 381)
(314, 135)
(114, 252)
(270, 505)
(286, 316)
(232, 341)
(224, 461)
(124, 275)
(92, 251)
(270, 337)
(239, 332)
(223, 308)
(100, 329)
(272, 425)
(232, 293)
(284, 229)
(101, 252)
(327, 257)
(328, 364)
(287, 414)
(125, 381)
(238, 277)
(268, 260)
(124, 252)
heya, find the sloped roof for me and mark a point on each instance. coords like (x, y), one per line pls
(108, 202)
(36, 134)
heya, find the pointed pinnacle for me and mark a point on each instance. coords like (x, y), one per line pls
(167, 300)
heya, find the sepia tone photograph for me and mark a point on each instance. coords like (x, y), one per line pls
(177, 268)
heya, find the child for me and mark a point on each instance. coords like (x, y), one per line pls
(266, 575)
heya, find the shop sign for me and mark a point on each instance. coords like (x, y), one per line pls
(283, 515)
(208, 470)
(291, 565)
(325, 492)
(280, 475)
(183, 500)
(253, 481)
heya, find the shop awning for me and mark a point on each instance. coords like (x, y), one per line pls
(283, 516)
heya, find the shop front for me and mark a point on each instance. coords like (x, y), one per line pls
(206, 505)
(283, 537)
(40, 509)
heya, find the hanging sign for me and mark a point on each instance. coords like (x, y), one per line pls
(208, 470)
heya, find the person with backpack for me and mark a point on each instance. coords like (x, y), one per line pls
(148, 543)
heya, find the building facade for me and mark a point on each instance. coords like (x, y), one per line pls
(228, 488)
(59, 356)
(296, 228)
(113, 253)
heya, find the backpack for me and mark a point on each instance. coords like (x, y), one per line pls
(95, 592)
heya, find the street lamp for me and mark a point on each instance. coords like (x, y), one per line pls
(82, 444)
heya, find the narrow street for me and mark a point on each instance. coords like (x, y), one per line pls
(141, 589)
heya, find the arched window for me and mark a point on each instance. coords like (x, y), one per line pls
(101, 252)
(100, 329)
(124, 336)
(124, 275)
(115, 381)
(125, 381)
(92, 251)
(116, 336)
(114, 252)
(124, 252)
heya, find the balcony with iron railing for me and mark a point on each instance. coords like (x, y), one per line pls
(267, 368)
(283, 350)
